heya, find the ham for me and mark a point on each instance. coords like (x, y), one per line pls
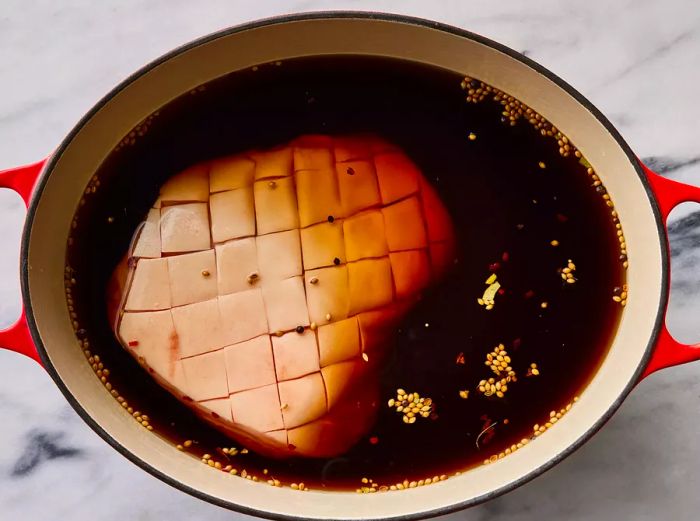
(263, 289)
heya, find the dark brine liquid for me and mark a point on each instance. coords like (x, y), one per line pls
(520, 208)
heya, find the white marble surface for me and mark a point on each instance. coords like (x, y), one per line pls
(637, 60)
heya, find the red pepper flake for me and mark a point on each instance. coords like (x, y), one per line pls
(460, 359)
(562, 218)
(516, 343)
(505, 257)
(506, 421)
(133, 343)
(501, 291)
(374, 440)
(529, 294)
(495, 266)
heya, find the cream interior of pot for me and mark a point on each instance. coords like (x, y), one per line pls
(97, 136)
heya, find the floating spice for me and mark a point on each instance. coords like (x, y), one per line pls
(369, 486)
(499, 362)
(584, 162)
(411, 405)
(620, 295)
(488, 298)
(554, 417)
(567, 272)
(533, 370)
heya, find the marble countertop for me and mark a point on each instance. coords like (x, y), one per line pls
(637, 60)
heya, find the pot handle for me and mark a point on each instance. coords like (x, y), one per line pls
(21, 180)
(669, 194)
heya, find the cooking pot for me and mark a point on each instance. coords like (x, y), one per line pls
(52, 189)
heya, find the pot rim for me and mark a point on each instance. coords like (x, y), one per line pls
(321, 15)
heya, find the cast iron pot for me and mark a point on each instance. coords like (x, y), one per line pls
(53, 187)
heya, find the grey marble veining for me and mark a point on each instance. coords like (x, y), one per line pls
(637, 60)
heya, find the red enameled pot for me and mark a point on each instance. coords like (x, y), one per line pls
(53, 187)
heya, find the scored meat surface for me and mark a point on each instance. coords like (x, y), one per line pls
(263, 289)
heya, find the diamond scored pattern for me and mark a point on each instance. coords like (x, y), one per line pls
(261, 281)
